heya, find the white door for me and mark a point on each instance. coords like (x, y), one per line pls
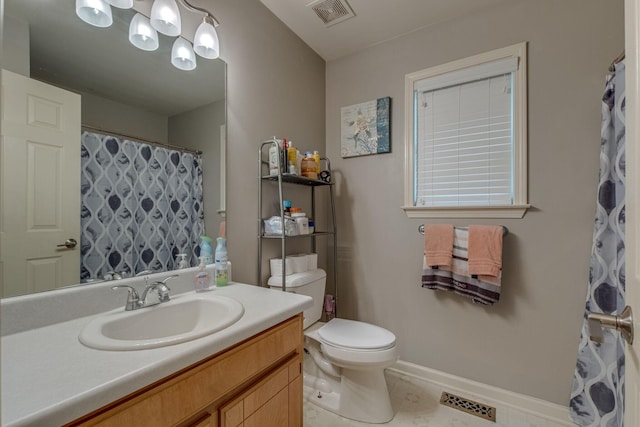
(632, 129)
(40, 203)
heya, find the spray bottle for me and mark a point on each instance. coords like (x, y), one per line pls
(222, 267)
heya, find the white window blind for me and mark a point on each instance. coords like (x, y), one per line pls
(464, 137)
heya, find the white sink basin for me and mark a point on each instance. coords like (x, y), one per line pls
(184, 318)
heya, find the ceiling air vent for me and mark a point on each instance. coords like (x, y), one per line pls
(332, 12)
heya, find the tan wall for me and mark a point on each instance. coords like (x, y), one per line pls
(527, 343)
(275, 86)
(199, 129)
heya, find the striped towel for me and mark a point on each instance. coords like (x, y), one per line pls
(456, 278)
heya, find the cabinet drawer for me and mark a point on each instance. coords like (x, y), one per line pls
(190, 391)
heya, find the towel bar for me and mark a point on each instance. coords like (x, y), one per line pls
(505, 230)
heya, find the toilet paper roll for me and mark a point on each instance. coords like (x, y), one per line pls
(312, 261)
(298, 263)
(276, 266)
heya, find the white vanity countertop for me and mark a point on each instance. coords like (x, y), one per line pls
(50, 378)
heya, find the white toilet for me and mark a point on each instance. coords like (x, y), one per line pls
(344, 359)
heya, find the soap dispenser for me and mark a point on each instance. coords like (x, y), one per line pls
(182, 261)
(202, 278)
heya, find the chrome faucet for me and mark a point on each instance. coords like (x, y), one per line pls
(134, 301)
(144, 272)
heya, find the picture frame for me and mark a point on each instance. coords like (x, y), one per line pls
(365, 128)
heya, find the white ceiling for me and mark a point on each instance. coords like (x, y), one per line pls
(376, 21)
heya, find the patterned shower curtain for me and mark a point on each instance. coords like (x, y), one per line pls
(140, 206)
(597, 395)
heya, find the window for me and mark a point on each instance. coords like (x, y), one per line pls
(466, 138)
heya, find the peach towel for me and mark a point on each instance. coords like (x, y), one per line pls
(438, 244)
(485, 250)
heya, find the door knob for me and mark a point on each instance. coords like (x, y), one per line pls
(69, 244)
(622, 323)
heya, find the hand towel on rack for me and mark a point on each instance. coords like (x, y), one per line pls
(438, 244)
(455, 278)
(485, 250)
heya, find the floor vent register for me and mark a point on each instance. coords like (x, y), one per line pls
(481, 410)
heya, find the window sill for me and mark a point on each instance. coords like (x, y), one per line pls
(511, 211)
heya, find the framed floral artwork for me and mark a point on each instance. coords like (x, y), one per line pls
(365, 128)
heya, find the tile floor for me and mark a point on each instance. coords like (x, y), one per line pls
(417, 403)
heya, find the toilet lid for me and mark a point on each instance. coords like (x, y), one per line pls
(358, 335)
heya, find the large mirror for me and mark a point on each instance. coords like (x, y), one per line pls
(130, 109)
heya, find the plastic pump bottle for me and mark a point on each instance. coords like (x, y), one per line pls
(222, 267)
(202, 279)
(206, 251)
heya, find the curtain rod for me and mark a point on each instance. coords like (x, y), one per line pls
(144, 140)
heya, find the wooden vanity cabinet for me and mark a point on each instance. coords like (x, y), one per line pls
(273, 401)
(255, 383)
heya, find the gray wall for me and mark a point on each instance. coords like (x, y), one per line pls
(275, 86)
(527, 342)
(114, 116)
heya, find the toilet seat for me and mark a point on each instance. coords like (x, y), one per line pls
(356, 336)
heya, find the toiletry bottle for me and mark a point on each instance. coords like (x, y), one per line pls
(182, 261)
(222, 277)
(202, 277)
(286, 206)
(206, 251)
(283, 161)
(316, 157)
(308, 168)
(292, 156)
(273, 157)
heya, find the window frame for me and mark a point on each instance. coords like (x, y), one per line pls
(520, 197)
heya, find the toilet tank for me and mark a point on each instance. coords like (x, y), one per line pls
(311, 283)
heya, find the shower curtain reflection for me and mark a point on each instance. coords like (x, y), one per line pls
(141, 205)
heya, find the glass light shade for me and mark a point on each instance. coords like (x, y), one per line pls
(182, 55)
(205, 42)
(94, 12)
(165, 17)
(141, 34)
(122, 4)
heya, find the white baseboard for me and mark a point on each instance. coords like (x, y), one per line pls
(487, 394)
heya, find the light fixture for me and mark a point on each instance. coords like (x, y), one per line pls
(141, 34)
(165, 17)
(94, 12)
(205, 42)
(122, 4)
(182, 55)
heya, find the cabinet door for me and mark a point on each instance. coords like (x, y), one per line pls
(295, 402)
(274, 413)
(232, 414)
(275, 401)
(207, 420)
